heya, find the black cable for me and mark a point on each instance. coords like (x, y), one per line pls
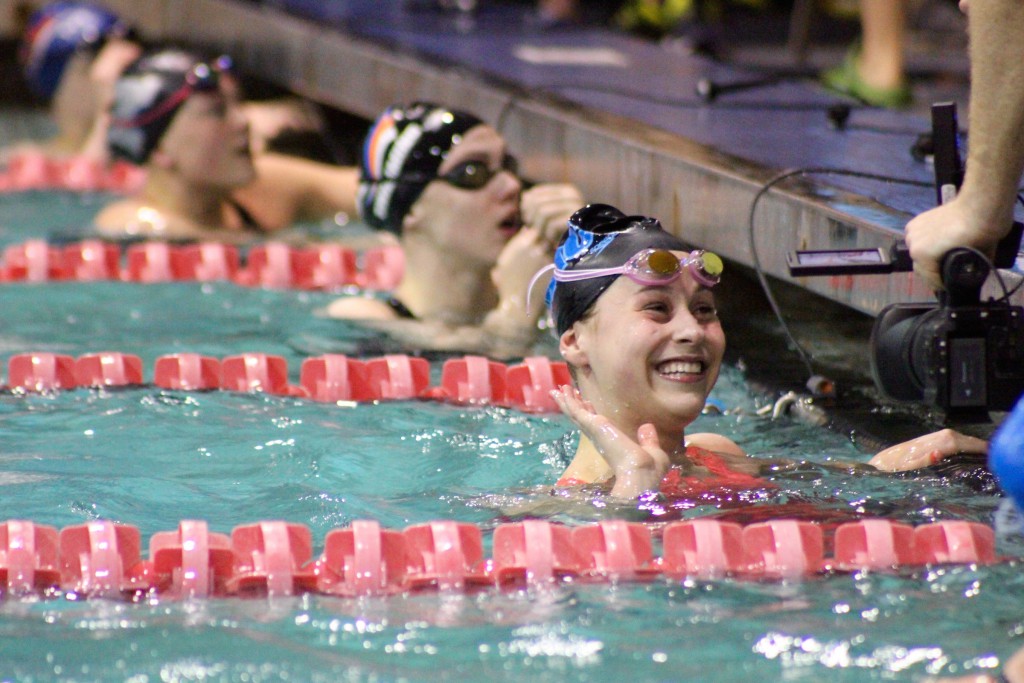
(762, 278)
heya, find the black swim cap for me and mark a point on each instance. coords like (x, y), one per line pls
(150, 93)
(401, 154)
(599, 236)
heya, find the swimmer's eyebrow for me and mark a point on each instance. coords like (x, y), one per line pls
(660, 288)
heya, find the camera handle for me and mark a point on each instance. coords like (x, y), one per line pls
(964, 272)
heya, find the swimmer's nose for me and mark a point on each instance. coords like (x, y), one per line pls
(686, 328)
(511, 186)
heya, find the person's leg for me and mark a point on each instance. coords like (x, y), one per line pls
(883, 22)
(873, 69)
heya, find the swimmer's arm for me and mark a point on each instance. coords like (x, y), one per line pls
(927, 450)
(288, 189)
(359, 308)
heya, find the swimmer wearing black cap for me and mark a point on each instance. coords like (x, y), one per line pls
(635, 312)
(71, 53)
(445, 183)
(180, 117)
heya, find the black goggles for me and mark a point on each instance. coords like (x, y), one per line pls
(469, 175)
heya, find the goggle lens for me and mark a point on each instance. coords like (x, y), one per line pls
(474, 175)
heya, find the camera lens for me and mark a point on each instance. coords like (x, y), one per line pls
(901, 342)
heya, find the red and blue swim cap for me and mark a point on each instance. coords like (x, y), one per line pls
(55, 33)
(401, 154)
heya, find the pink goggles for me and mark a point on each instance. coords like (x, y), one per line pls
(655, 267)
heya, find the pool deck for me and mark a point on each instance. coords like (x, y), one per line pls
(615, 115)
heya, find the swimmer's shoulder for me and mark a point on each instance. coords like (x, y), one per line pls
(288, 188)
(122, 218)
(361, 308)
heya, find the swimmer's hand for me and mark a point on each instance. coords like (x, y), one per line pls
(927, 450)
(639, 465)
(548, 207)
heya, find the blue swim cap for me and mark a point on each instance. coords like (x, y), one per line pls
(599, 236)
(405, 145)
(53, 36)
(150, 93)
(1006, 454)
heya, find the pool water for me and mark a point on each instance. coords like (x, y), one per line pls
(150, 458)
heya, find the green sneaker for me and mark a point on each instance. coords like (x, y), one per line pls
(845, 80)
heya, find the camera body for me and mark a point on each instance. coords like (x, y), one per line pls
(960, 354)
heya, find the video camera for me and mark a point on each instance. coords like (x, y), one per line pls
(960, 354)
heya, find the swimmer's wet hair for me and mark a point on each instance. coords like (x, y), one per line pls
(405, 145)
(600, 236)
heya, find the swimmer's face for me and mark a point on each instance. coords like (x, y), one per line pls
(207, 143)
(648, 353)
(473, 224)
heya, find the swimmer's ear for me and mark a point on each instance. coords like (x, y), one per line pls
(573, 347)
(161, 159)
(412, 221)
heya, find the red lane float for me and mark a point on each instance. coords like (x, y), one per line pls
(272, 264)
(108, 369)
(445, 555)
(205, 262)
(271, 559)
(616, 550)
(383, 268)
(191, 562)
(187, 372)
(335, 377)
(534, 553)
(274, 558)
(28, 557)
(473, 380)
(102, 559)
(256, 372)
(529, 384)
(703, 548)
(34, 170)
(784, 548)
(40, 372)
(329, 378)
(363, 560)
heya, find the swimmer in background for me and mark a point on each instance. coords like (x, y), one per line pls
(71, 54)
(443, 181)
(645, 352)
(181, 118)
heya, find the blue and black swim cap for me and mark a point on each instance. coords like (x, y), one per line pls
(401, 155)
(55, 33)
(599, 236)
(150, 93)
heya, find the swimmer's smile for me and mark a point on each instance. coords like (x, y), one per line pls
(682, 370)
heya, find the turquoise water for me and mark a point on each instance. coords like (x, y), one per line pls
(148, 457)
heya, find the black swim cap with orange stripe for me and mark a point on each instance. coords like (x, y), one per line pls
(401, 154)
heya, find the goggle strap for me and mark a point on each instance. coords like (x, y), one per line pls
(537, 276)
(169, 103)
(586, 274)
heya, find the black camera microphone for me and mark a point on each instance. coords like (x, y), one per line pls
(709, 90)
